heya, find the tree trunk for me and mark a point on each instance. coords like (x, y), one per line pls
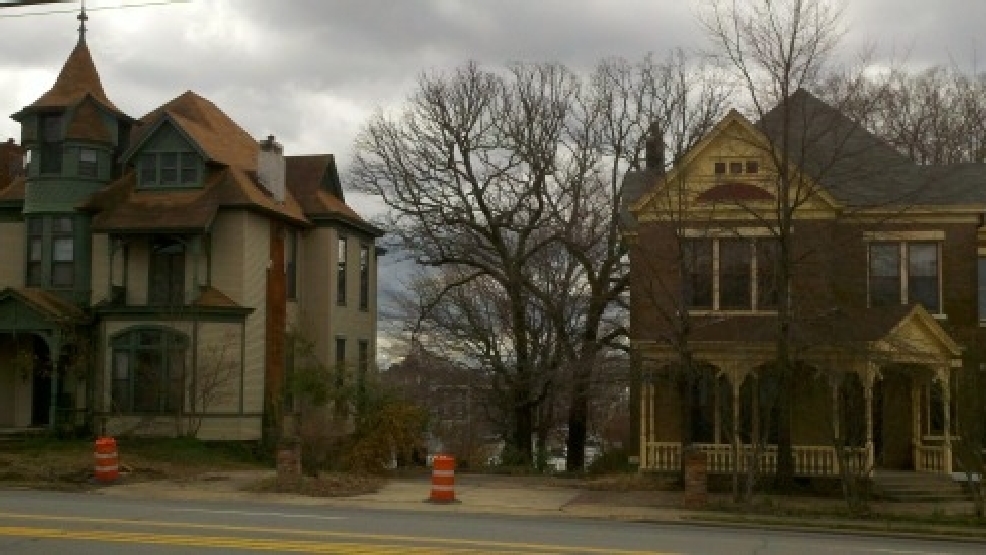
(578, 418)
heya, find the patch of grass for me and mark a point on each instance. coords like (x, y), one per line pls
(50, 462)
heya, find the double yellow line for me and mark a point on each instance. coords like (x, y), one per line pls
(334, 542)
(254, 544)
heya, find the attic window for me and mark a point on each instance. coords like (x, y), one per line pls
(736, 167)
(168, 169)
(720, 167)
(752, 166)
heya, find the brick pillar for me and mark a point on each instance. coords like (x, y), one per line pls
(696, 479)
(289, 463)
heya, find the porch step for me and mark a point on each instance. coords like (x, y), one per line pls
(917, 487)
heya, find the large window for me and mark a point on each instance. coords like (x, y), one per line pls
(168, 169)
(62, 252)
(148, 370)
(51, 143)
(341, 250)
(364, 277)
(904, 273)
(167, 272)
(730, 273)
(35, 252)
(50, 252)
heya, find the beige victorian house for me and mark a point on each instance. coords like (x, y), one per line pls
(154, 268)
(886, 296)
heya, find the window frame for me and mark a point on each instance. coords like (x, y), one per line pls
(167, 393)
(88, 168)
(754, 280)
(342, 256)
(364, 277)
(51, 149)
(904, 294)
(186, 169)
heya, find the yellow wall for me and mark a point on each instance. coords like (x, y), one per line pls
(100, 280)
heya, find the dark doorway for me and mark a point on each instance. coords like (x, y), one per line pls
(893, 420)
(41, 384)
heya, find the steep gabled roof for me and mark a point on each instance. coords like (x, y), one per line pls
(77, 80)
(856, 167)
(314, 181)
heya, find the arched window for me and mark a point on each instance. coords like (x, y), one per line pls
(148, 370)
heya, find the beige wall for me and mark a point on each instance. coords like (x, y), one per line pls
(138, 260)
(322, 318)
(256, 238)
(12, 251)
(100, 279)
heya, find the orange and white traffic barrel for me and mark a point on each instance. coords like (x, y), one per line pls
(443, 479)
(107, 465)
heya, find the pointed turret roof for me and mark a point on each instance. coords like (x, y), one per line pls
(77, 80)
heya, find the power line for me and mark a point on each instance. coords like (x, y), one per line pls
(90, 9)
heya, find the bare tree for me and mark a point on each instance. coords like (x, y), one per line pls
(775, 49)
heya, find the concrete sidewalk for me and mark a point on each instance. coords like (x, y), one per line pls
(532, 496)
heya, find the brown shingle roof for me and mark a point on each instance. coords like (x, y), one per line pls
(14, 191)
(314, 181)
(77, 79)
(219, 137)
(213, 298)
(48, 304)
(87, 124)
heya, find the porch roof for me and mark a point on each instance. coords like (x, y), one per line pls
(45, 305)
(900, 333)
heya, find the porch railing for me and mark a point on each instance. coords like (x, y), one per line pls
(809, 460)
(929, 458)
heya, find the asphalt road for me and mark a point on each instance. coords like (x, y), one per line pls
(34, 522)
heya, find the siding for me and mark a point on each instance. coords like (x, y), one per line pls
(256, 240)
(12, 246)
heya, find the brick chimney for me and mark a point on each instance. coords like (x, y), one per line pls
(270, 167)
(654, 148)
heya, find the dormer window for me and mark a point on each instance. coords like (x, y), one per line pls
(168, 169)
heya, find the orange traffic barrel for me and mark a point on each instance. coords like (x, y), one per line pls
(443, 479)
(107, 466)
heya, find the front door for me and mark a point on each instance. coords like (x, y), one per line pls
(893, 421)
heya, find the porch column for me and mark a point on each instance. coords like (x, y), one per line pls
(835, 426)
(916, 424)
(737, 385)
(645, 424)
(868, 396)
(947, 401)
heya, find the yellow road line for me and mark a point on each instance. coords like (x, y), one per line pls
(479, 544)
(225, 542)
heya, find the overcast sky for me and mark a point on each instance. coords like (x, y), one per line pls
(311, 71)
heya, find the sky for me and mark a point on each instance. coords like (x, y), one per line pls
(311, 72)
